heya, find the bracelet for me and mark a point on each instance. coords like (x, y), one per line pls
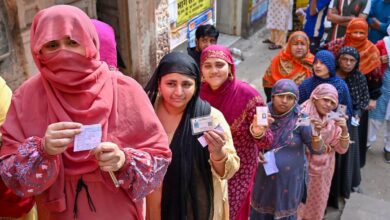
(316, 138)
(255, 135)
(344, 138)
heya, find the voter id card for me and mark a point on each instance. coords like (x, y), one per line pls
(342, 109)
(262, 115)
(201, 124)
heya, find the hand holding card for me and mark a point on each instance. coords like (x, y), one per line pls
(59, 135)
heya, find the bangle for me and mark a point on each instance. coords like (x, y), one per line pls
(316, 138)
(344, 138)
(256, 136)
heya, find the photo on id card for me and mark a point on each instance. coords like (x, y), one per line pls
(201, 124)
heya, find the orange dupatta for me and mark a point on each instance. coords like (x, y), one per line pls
(285, 66)
(369, 53)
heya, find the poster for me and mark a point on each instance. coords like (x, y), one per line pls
(185, 16)
(204, 18)
(187, 9)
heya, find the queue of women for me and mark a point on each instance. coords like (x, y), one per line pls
(149, 163)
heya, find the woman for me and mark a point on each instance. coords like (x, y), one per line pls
(333, 135)
(325, 72)
(381, 114)
(293, 62)
(223, 91)
(277, 196)
(74, 89)
(279, 21)
(347, 173)
(195, 186)
(357, 37)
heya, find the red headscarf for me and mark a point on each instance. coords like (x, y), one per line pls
(369, 54)
(72, 87)
(285, 66)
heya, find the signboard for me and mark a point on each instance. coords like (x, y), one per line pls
(187, 9)
(187, 15)
(193, 24)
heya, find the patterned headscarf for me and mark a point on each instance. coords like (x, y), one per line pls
(349, 51)
(285, 86)
(221, 52)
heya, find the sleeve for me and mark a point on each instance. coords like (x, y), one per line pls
(364, 97)
(31, 171)
(347, 99)
(383, 27)
(322, 4)
(367, 7)
(267, 139)
(232, 162)
(142, 172)
(336, 142)
(305, 132)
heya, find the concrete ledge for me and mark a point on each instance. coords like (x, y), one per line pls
(362, 207)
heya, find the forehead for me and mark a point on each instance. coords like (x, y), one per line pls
(282, 95)
(208, 38)
(176, 77)
(347, 56)
(298, 39)
(328, 99)
(211, 60)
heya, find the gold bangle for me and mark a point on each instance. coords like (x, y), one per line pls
(316, 138)
(346, 137)
(255, 135)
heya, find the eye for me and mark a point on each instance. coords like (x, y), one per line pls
(220, 65)
(73, 43)
(51, 45)
(187, 85)
(170, 84)
(206, 66)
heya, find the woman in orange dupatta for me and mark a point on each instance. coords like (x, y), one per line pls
(293, 62)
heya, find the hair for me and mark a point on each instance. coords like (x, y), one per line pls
(207, 30)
